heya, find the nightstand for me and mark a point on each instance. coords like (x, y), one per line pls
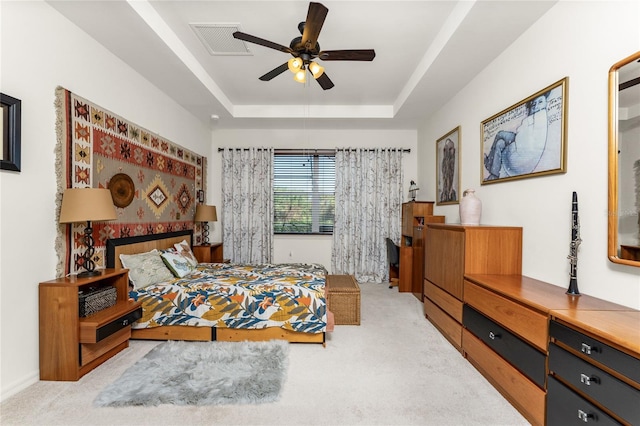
(211, 253)
(71, 345)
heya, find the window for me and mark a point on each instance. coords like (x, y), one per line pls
(304, 192)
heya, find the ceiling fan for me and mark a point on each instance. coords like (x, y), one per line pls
(305, 49)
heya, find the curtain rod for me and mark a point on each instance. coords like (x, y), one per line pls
(318, 151)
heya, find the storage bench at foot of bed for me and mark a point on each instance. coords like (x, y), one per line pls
(343, 299)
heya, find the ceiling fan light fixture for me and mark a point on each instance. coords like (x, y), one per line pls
(300, 76)
(315, 69)
(305, 48)
(294, 64)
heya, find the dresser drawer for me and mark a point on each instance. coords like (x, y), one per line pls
(92, 351)
(615, 395)
(565, 407)
(523, 356)
(526, 323)
(604, 354)
(90, 333)
(526, 396)
(446, 302)
(449, 327)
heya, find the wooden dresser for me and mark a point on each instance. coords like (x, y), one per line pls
(559, 359)
(450, 252)
(506, 337)
(415, 214)
(594, 367)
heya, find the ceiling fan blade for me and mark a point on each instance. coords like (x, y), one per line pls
(262, 42)
(275, 72)
(324, 81)
(347, 55)
(312, 26)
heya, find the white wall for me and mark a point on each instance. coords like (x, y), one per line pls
(581, 40)
(39, 51)
(310, 248)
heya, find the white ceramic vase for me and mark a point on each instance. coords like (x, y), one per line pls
(470, 208)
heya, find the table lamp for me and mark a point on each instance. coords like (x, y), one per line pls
(413, 188)
(87, 204)
(205, 214)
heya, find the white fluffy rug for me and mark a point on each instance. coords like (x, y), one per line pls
(202, 373)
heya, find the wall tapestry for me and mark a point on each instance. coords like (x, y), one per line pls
(154, 182)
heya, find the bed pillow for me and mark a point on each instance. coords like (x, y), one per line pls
(146, 268)
(184, 249)
(177, 263)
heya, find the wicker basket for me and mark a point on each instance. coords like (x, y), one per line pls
(343, 299)
(96, 299)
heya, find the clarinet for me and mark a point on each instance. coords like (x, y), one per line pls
(573, 247)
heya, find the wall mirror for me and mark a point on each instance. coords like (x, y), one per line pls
(624, 161)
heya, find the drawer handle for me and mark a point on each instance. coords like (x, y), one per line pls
(584, 416)
(494, 336)
(587, 380)
(125, 322)
(587, 349)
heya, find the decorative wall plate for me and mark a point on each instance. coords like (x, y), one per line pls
(122, 189)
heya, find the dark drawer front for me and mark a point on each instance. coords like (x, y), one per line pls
(619, 361)
(122, 322)
(520, 354)
(612, 393)
(565, 407)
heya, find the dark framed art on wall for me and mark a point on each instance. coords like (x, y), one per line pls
(10, 126)
(448, 168)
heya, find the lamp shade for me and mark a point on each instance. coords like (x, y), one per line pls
(300, 76)
(316, 70)
(206, 213)
(87, 204)
(294, 64)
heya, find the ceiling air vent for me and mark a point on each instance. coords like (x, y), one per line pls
(218, 39)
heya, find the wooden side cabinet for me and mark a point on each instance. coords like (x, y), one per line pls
(451, 251)
(211, 253)
(415, 214)
(70, 345)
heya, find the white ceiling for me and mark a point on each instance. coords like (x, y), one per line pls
(426, 51)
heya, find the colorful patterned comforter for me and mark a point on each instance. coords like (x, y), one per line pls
(290, 296)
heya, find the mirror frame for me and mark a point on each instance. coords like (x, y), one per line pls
(613, 162)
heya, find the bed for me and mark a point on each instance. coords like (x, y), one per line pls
(226, 301)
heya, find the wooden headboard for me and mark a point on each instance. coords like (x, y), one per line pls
(143, 243)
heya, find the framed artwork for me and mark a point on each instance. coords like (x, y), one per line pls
(10, 126)
(527, 139)
(448, 168)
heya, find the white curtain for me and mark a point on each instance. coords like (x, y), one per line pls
(368, 209)
(247, 204)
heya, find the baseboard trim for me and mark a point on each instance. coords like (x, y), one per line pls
(19, 385)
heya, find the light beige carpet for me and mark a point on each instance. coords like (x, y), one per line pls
(393, 369)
